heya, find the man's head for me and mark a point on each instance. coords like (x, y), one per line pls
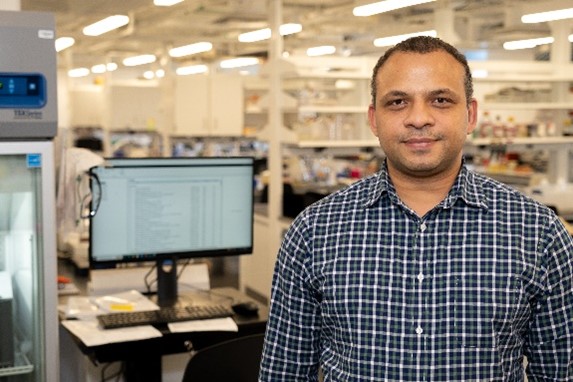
(422, 108)
(422, 45)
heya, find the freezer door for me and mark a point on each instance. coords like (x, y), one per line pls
(28, 263)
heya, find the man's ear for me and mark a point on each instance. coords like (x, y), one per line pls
(372, 120)
(472, 116)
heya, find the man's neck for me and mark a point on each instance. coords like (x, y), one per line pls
(422, 194)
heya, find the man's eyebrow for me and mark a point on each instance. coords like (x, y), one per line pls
(432, 93)
(394, 93)
(442, 91)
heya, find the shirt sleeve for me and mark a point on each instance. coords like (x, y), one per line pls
(291, 351)
(549, 343)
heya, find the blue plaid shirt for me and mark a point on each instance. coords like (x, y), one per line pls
(369, 291)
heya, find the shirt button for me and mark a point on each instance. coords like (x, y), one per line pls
(423, 227)
(420, 277)
(419, 330)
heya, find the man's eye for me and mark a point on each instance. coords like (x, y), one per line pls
(442, 100)
(395, 102)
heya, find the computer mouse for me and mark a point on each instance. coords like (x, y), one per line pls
(246, 308)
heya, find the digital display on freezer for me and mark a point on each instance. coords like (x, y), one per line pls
(22, 90)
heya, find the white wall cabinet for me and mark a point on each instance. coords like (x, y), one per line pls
(87, 105)
(210, 105)
(134, 108)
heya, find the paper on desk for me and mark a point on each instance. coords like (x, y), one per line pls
(226, 324)
(86, 307)
(129, 301)
(82, 308)
(91, 334)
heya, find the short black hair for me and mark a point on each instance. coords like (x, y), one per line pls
(424, 44)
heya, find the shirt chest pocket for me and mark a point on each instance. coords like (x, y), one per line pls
(485, 311)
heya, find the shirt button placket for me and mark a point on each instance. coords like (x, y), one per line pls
(420, 277)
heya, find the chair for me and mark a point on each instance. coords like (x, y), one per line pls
(236, 360)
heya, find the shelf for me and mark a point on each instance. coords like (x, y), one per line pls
(338, 144)
(515, 178)
(522, 71)
(330, 67)
(527, 105)
(333, 109)
(21, 366)
(525, 78)
(527, 142)
(322, 109)
(286, 134)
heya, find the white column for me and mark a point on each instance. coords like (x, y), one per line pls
(560, 59)
(275, 124)
(444, 17)
(10, 5)
(561, 47)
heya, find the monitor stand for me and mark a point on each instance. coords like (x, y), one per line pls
(166, 281)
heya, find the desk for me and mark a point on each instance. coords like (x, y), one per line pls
(142, 359)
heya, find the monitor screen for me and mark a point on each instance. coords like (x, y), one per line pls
(146, 208)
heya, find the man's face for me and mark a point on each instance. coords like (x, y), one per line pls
(421, 116)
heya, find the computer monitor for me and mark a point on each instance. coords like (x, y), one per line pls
(165, 209)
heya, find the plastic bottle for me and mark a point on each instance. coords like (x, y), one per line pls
(485, 127)
(510, 128)
(498, 128)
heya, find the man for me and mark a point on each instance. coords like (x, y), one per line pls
(425, 271)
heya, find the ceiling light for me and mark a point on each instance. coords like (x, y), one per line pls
(320, 50)
(160, 73)
(480, 73)
(139, 60)
(108, 24)
(258, 35)
(265, 34)
(192, 69)
(190, 49)
(149, 75)
(289, 28)
(548, 16)
(166, 3)
(239, 62)
(385, 6)
(98, 69)
(102, 68)
(527, 44)
(344, 84)
(393, 40)
(64, 43)
(78, 72)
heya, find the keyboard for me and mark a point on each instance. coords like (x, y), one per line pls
(163, 315)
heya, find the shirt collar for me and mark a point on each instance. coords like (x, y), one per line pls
(467, 188)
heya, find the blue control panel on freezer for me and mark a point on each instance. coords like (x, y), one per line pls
(28, 81)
